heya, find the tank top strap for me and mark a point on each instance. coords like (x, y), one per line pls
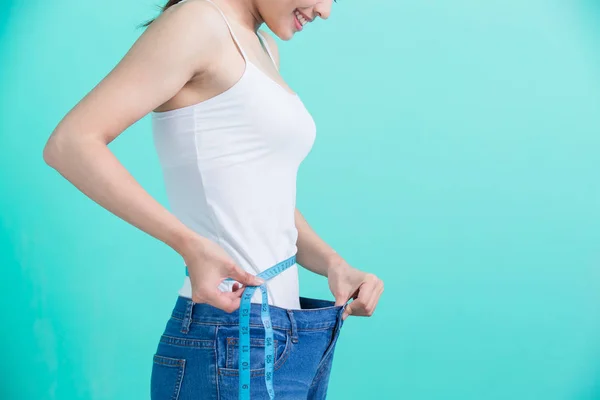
(266, 45)
(235, 39)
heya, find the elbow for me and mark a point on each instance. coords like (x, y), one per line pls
(50, 152)
(55, 146)
(63, 147)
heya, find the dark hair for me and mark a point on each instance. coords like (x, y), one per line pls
(162, 9)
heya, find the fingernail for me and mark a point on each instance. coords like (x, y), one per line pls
(260, 281)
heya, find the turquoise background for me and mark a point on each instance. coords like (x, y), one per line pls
(457, 157)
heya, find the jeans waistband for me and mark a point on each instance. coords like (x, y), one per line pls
(315, 314)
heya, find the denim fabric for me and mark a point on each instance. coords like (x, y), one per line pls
(197, 354)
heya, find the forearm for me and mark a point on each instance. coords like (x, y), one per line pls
(94, 170)
(313, 253)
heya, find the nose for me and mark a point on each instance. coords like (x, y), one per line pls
(323, 9)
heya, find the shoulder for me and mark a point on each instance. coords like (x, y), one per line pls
(272, 45)
(194, 28)
(196, 19)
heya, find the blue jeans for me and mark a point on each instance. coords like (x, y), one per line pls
(197, 355)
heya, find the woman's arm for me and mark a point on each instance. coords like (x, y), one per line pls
(158, 65)
(179, 44)
(313, 253)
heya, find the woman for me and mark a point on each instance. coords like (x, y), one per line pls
(230, 136)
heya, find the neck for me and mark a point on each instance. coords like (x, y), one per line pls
(243, 12)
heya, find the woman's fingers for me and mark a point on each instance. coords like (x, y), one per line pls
(227, 301)
(237, 273)
(376, 288)
(375, 299)
(366, 301)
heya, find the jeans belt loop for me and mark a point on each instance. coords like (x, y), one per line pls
(294, 328)
(187, 317)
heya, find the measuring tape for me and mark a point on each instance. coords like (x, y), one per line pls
(244, 334)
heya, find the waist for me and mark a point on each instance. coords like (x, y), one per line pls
(314, 314)
(253, 247)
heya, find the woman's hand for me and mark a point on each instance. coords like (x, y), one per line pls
(347, 282)
(208, 265)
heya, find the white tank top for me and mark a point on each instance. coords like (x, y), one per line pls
(230, 164)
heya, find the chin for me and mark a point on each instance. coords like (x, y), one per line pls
(287, 36)
(284, 34)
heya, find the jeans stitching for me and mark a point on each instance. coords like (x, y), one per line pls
(170, 362)
(208, 323)
(179, 380)
(186, 342)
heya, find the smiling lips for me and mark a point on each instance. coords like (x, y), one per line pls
(300, 20)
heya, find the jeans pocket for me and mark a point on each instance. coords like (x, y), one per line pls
(167, 375)
(229, 349)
